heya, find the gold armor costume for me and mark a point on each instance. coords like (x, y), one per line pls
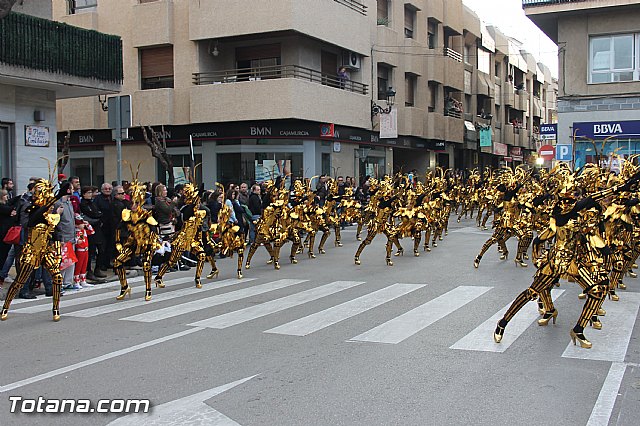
(39, 249)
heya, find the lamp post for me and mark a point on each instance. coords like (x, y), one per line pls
(377, 109)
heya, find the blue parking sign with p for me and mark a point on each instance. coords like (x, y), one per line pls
(564, 152)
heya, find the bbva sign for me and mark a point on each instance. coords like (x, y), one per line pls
(607, 129)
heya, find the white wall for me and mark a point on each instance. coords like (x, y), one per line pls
(17, 105)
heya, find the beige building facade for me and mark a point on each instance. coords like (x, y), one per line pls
(599, 78)
(265, 94)
(42, 62)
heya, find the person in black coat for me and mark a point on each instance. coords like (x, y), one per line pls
(92, 214)
(8, 218)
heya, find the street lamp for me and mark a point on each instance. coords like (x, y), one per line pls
(539, 161)
(377, 109)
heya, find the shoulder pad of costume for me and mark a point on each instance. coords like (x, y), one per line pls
(152, 221)
(126, 215)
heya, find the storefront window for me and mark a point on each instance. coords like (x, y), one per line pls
(89, 170)
(4, 152)
(585, 152)
(252, 167)
(181, 166)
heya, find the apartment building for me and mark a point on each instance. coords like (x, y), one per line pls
(42, 61)
(599, 78)
(260, 92)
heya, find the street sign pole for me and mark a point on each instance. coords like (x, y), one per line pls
(118, 142)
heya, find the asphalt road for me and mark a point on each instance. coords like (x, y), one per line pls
(325, 342)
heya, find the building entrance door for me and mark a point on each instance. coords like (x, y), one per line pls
(5, 152)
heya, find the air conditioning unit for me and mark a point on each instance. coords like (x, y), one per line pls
(351, 60)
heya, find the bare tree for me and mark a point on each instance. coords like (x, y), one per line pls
(159, 151)
(65, 152)
(5, 7)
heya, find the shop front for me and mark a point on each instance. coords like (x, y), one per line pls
(246, 152)
(609, 143)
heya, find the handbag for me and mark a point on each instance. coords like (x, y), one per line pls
(13, 235)
(68, 256)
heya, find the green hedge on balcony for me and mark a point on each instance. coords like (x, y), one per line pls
(55, 47)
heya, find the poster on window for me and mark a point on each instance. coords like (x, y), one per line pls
(180, 175)
(36, 136)
(271, 169)
(389, 125)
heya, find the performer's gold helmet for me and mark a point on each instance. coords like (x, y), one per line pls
(42, 192)
(190, 194)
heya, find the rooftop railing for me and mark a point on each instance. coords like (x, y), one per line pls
(354, 5)
(278, 72)
(533, 3)
(50, 46)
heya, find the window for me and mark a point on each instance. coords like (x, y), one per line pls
(484, 61)
(156, 68)
(432, 33)
(383, 12)
(433, 95)
(410, 82)
(497, 69)
(409, 20)
(614, 58)
(467, 54)
(384, 81)
(262, 61)
(79, 6)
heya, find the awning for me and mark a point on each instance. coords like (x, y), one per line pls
(484, 85)
(539, 75)
(515, 58)
(487, 41)
(469, 125)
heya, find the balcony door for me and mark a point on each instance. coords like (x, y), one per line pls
(258, 62)
(329, 68)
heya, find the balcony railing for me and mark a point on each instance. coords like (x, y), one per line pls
(354, 5)
(277, 72)
(453, 54)
(452, 113)
(533, 3)
(55, 47)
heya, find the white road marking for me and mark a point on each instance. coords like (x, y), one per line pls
(410, 323)
(610, 343)
(85, 363)
(601, 412)
(253, 312)
(190, 410)
(66, 302)
(323, 319)
(196, 305)
(481, 338)
(71, 293)
(136, 303)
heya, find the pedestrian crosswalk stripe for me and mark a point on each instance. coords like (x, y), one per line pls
(333, 315)
(406, 325)
(481, 338)
(208, 302)
(253, 312)
(136, 303)
(80, 300)
(71, 293)
(610, 343)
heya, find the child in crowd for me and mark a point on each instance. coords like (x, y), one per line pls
(83, 230)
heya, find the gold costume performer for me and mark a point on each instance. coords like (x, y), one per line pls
(382, 222)
(39, 249)
(189, 238)
(578, 253)
(136, 236)
(228, 239)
